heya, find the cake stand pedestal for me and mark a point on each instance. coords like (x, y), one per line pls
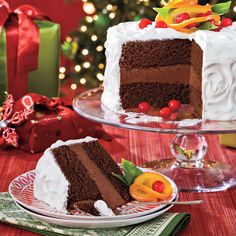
(188, 168)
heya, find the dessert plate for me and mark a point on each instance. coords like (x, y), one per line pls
(95, 223)
(22, 191)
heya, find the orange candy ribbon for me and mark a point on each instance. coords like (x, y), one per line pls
(193, 9)
(141, 190)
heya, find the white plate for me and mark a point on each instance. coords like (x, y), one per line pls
(21, 190)
(95, 224)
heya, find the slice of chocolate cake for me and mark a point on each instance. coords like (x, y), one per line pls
(73, 172)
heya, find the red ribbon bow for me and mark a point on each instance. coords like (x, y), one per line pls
(22, 36)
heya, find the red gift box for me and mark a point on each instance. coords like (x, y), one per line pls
(48, 122)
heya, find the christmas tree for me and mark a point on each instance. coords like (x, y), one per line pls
(85, 46)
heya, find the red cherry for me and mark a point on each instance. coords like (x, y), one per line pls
(144, 23)
(174, 105)
(165, 112)
(212, 21)
(158, 186)
(192, 25)
(218, 29)
(204, 14)
(208, 13)
(182, 17)
(200, 14)
(161, 24)
(144, 107)
(173, 116)
(226, 22)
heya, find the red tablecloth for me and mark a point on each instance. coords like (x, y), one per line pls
(216, 217)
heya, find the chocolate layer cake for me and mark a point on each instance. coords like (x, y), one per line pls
(76, 173)
(157, 65)
(159, 71)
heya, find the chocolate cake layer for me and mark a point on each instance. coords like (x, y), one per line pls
(157, 94)
(82, 187)
(86, 206)
(155, 53)
(100, 156)
(164, 74)
(100, 166)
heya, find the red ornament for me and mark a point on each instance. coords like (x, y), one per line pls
(174, 105)
(144, 23)
(192, 25)
(161, 24)
(165, 112)
(182, 17)
(226, 22)
(144, 107)
(158, 186)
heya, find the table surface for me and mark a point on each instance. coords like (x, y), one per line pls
(216, 217)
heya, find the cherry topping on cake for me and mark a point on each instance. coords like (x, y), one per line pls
(204, 14)
(192, 25)
(158, 186)
(144, 23)
(165, 112)
(218, 29)
(144, 107)
(208, 13)
(161, 24)
(182, 17)
(226, 22)
(174, 105)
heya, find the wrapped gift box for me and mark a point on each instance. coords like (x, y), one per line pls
(51, 121)
(228, 140)
(17, 74)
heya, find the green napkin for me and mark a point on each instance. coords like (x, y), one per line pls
(164, 225)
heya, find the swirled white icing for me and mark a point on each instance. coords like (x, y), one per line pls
(103, 209)
(218, 72)
(50, 184)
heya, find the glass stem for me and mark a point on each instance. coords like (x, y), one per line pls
(189, 150)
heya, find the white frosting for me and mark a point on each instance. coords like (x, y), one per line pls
(50, 184)
(103, 209)
(219, 65)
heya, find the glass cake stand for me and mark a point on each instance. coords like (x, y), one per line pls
(188, 168)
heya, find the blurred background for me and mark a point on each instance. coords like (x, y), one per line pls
(84, 25)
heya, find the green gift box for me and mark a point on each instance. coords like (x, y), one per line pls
(44, 80)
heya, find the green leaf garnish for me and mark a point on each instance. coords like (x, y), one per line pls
(207, 26)
(221, 8)
(164, 12)
(131, 172)
(120, 177)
